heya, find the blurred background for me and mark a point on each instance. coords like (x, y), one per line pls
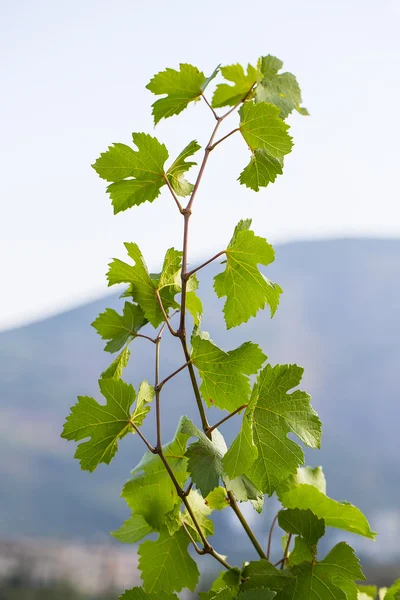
(73, 78)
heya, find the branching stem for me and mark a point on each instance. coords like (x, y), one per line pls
(210, 107)
(224, 138)
(164, 381)
(245, 525)
(210, 429)
(210, 260)
(166, 318)
(175, 197)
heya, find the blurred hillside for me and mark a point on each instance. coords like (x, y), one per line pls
(338, 318)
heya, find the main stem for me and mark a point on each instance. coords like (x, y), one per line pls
(181, 332)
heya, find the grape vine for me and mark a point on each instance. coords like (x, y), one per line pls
(178, 485)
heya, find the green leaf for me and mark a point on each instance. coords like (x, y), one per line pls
(225, 375)
(179, 87)
(217, 499)
(165, 564)
(243, 450)
(245, 287)
(145, 397)
(301, 552)
(257, 594)
(366, 592)
(201, 510)
(393, 593)
(261, 170)
(138, 593)
(195, 307)
(143, 287)
(324, 580)
(335, 514)
(280, 89)
(115, 370)
(151, 492)
(180, 166)
(227, 579)
(136, 176)
(303, 523)
(103, 424)
(205, 458)
(117, 163)
(133, 530)
(119, 329)
(229, 95)
(276, 414)
(262, 128)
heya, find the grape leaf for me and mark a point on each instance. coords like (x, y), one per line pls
(243, 450)
(202, 511)
(335, 514)
(180, 166)
(114, 371)
(393, 593)
(366, 592)
(136, 176)
(244, 286)
(323, 580)
(257, 594)
(217, 499)
(261, 170)
(165, 564)
(205, 458)
(133, 530)
(179, 87)
(119, 329)
(303, 523)
(280, 89)
(151, 492)
(301, 552)
(229, 95)
(262, 128)
(277, 413)
(143, 287)
(225, 375)
(194, 306)
(103, 424)
(138, 593)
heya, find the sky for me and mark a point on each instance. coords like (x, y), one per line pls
(73, 78)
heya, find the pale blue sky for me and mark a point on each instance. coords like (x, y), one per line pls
(73, 76)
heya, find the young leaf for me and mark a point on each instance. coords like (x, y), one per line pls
(144, 168)
(180, 88)
(301, 552)
(165, 564)
(103, 424)
(229, 95)
(335, 514)
(151, 492)
(303, 523)
(261, 170)
(244, 286)
(205, 458)
(143, 287)
(217, 499)
(138, 593)
(115, 370)
(133, 530)
(276, 414)
(262, 128)
(202, 511)
(119, 329)
(180, 166)
(393, 593)
(279, 89)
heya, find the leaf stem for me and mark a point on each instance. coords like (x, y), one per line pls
(136, 428)
(164, 381)
(210, 107)
(286, 553)
(157, 391)
(245, 525)
(166, 318)
(271, 531)
(146, 337)
(190, 273)
(175, 197)
(210, 429)
(224, 138)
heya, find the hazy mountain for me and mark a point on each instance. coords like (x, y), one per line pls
(338, 318)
